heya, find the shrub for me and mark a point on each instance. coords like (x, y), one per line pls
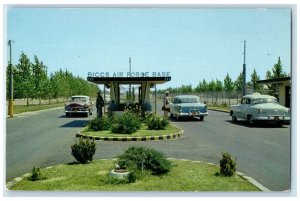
(227, 165)
(100, 124)
(127, 123)
(155, 122)
(83, 150)
(36, 174)
(141, 158)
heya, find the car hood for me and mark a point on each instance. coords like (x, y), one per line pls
(76, 103)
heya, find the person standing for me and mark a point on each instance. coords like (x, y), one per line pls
(99, 105)
(166, 101)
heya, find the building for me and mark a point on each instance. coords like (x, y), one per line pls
(284, 89)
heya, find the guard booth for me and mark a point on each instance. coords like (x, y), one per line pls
(138, 89)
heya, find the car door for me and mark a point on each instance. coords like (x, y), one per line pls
(245, 107)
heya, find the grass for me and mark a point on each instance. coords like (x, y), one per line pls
(221, 108)
(170, 129)
(23, 108)
(185, 176)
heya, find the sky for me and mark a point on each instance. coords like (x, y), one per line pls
(191, 44)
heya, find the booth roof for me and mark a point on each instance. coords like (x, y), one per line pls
(128, 80)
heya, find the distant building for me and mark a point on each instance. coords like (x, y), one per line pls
(284, 88)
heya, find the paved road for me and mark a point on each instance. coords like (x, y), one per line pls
(262, 152)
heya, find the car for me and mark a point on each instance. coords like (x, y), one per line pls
(187, 106)
(79, 105)
(258, 107)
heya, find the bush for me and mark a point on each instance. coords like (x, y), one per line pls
(36, 174)
(141, 158)
(155, 122)
(83, 150)
(227, 165)
(100, 124)
(127, 123)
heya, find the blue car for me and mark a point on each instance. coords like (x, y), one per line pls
(187, 106)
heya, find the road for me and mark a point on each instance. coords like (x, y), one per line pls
(262, 152)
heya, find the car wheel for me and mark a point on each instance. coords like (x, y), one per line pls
(67, 114)
(201, 118)
(171, 115)
(251, 120)
(280, 124)
(234, 119)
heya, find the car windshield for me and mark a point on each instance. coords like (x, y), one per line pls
(78, 99)
(265, 100)
(188, 100)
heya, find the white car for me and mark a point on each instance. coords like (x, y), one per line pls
(257, 107)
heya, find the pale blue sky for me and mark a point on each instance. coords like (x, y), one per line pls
(191, 43)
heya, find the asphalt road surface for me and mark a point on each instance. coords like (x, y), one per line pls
(262, 152)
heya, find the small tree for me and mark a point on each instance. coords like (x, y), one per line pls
(83, 150)
(227, 165)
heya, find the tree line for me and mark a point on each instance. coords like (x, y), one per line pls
(230, 85)
(30, 81)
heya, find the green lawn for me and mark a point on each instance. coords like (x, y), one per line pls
(185, 176)
(23, 108)
(221, 108)
(140, 133)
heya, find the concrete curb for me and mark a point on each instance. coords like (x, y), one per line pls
(124, 139)
(249, 179)
(218, 110)
(26, 114)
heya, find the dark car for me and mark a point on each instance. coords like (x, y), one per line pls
(79, 105)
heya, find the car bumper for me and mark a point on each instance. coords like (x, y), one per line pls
(77, 112)
(191, 114)
(273, 118)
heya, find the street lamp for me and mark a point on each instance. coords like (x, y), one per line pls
(11, 96)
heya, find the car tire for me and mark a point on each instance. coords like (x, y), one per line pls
(234, 119)
(251, 120)
(279, 124)
(201, 118)
(67, 114)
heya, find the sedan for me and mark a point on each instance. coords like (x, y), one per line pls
(79, 105)
(187, 106)
(258, 107)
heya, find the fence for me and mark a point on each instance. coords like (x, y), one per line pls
(218, 98)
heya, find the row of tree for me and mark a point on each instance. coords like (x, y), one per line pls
(229, 85)
(30, 81)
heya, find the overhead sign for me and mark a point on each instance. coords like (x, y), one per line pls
(129, 74)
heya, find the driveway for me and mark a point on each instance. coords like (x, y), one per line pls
(262, 152)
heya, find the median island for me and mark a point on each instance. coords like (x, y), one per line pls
(132, 125)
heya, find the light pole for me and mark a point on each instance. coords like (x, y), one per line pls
(11, 94)
(244, 70)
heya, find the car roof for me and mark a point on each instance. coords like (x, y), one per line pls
(186, 96)
(258, 95)
(80, 96)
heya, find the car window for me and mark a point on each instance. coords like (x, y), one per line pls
(248, 101)
(188, 100)
(78, 99)
(265, 100)
(243, 101)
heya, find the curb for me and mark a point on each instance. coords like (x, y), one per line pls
(125, 139)
(26, 114)
(249, 179)
(218, 110)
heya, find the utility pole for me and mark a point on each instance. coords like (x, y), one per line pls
(11, 96)
(130, 76)
(244, 70)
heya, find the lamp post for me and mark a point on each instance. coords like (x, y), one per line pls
(11, 96)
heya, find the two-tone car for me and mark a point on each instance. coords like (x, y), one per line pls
(187, 106)
(258, 107)
(79, 105)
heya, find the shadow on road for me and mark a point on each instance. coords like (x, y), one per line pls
(186, 119)
(75, 124)
(257, 124)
